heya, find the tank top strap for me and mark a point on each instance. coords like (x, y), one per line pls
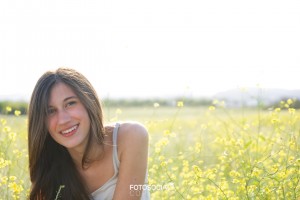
(115, 148)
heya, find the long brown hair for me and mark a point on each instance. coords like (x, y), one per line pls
(50, 164)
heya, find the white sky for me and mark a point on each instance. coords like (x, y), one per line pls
(152, 48)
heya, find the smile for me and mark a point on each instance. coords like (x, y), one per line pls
(70, 131)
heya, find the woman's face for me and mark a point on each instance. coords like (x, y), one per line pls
(67, 121)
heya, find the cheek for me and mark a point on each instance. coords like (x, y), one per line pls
(83, 115)
(85, 120)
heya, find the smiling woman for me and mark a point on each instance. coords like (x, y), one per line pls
(72, 155)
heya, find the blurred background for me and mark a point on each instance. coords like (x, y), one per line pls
(147, 50)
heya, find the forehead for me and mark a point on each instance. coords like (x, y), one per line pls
(59, 92)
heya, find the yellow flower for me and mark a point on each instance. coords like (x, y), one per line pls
(167, 132)
(256, 172)
(3, 121)
(277, 109)
(163, 163)
(176, 168)
(17, 112)
(252, 188)
(118, 111)
(4, 179)
(12, 136)
(289, 101)
(6, 129)
(291, 159)
(8, 108)
(4, 163)
(196, 168)
(156, 105)
(234, 173)
(267, 190)
(180, 104)
(162, 142)
(298, 161)
(198, 147)
(235, 180)
(274, 121)
(161, 158)
(211, 108)
(157, 150)
(12, 178)
(215, 102)
(292, 111)
(15, 187)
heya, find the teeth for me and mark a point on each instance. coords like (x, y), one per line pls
(69, 130)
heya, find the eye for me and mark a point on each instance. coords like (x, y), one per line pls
(51, 111)
(71, 103)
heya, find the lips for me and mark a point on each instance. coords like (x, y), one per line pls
(70, 131)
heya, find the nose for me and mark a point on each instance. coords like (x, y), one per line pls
(63, 117)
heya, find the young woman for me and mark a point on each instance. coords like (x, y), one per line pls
(72, 155)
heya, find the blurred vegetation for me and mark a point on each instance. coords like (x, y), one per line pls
(285, 103)
(151, 102)
(10, 107)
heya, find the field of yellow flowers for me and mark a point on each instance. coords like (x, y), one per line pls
(195, 153)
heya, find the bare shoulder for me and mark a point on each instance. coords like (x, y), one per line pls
(132, 129)
(132, 136)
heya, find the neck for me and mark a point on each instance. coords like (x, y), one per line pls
(77, 154)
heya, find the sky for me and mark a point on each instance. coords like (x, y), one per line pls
(157, 48)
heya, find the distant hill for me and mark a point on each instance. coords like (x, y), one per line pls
(250, 96)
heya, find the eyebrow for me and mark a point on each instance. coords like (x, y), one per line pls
(66, 99)
(71, 97)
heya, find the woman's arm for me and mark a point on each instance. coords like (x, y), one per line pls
(133, 155)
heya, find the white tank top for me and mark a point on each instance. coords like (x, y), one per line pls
(106, 191)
